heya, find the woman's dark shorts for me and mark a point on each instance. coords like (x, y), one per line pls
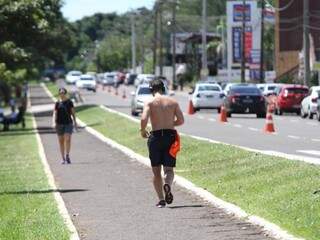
(64, 129)
(159, 144)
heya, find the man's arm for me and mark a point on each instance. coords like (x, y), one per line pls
(179, 116)
(144, 120)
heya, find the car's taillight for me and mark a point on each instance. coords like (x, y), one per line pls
(314, 100)
(222, 95)
(261, 98)
(233, 99)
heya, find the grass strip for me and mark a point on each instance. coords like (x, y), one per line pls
(28, 209)
(277, 189)
(53, 88)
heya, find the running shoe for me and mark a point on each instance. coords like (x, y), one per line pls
(63, 161)
(161, 204)
(168, 195)
(68, 159)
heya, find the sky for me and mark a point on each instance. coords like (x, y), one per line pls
(76, 9)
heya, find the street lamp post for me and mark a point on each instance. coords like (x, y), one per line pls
(204, 70)
(243, 55)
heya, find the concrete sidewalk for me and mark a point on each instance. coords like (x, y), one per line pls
(110, 196)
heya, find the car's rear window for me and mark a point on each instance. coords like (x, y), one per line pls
(296, 90)
(143, 91)
(271, 88)
(245, 90)
(87, 79)
(208, 88)
(75, 74)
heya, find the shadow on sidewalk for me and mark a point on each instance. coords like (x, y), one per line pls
(42, 191)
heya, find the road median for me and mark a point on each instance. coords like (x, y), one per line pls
(274, 188)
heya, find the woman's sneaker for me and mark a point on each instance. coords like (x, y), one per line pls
(63, 161)
(68, 159)
(161, 204)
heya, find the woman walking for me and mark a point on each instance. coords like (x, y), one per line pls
(63, 121)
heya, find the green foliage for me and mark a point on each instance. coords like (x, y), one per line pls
(33, 35)
(114, 53)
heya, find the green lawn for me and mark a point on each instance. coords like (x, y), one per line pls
(53, 88)
(277, 189)
(28, 210)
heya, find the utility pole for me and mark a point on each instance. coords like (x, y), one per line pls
(204, 70)
(243, 55)
(155, 38)
(160, 40)
(262, 43)
(133, 43)
(306, 42)
(174, 79)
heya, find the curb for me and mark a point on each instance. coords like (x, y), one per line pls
(57, 196)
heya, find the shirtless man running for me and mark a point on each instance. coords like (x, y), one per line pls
(165, 114)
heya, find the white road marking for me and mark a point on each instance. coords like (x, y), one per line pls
(200, 117)
(312, 124)
(315, 140)
(293, 137)
(253, 129)
(212, 120)
(237, 125)
(294, 121)
(310, 152)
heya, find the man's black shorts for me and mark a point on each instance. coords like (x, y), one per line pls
(159, 144)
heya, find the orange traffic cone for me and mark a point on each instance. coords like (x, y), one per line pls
(190, 108)
(269, 127)
(223, 114)
(124, 95)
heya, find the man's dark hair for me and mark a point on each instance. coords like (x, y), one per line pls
(157, 85)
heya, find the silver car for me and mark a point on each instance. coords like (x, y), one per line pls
(140, 97)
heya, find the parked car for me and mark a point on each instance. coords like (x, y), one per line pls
(87, 82)
(268, 88)
(109, 78)
(143, 79)
(130, 77)
(310, 103)
(140, 97)
(207, 96)
(226, 87)
(245, 99)
(261, 86)
(289, 98)
(72, 77)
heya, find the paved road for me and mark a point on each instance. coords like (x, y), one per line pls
(293, 135)
(111, 197)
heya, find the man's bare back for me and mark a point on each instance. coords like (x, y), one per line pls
(164, 113)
